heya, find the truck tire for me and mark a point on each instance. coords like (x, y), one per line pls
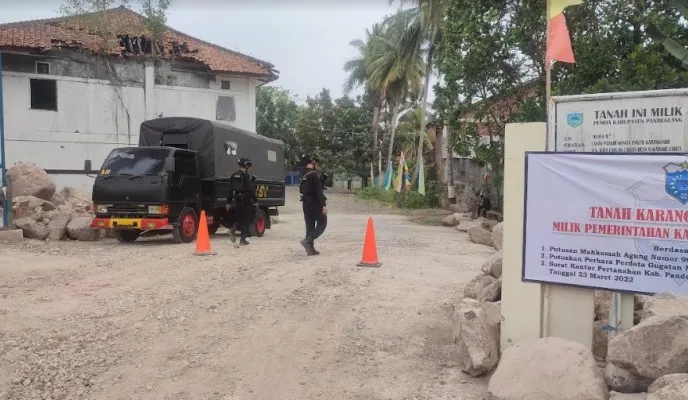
(259, 224)
(187, 229)
(126, 235)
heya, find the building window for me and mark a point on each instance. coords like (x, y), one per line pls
(42, 68)
(226, 109)
(224, 85)
(44, 94)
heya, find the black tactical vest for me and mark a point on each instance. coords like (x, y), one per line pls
(237, 181)
(303, 186)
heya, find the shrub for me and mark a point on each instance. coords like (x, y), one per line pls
(410, 200)
(432, 193)
(375, 193)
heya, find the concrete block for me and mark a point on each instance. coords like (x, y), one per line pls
(11, 235)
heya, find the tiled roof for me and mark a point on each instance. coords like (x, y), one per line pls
(80, 32)
(502, 107)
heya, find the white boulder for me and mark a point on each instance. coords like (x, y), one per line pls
(547, 369)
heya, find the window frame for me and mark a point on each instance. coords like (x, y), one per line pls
(34, 104)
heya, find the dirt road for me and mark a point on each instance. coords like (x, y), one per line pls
(151, 321)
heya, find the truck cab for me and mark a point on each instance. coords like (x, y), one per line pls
(148, 189)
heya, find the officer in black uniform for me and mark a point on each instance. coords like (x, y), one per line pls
(243, 201)
(314, 204)
(484, 205)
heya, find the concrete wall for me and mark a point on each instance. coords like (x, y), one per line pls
(94, 115)
(531, 310)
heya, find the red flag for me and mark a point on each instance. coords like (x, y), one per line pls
(559, 44)
(558, 40)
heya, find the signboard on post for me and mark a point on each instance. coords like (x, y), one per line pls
(607, 221)
(644, 122)
(634, 122)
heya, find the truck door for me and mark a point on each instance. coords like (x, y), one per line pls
(185, 182)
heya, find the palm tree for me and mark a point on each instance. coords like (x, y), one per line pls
(408, 127)
(357, 68)
(423, 29)
(394, 70)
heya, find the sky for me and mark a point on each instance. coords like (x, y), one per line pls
(306, 40)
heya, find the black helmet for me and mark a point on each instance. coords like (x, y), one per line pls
(244, 162)
(308, 158)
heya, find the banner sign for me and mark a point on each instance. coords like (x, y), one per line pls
(623, 125)
(607, 221)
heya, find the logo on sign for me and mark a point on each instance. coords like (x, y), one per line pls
(574, 119)
(676, 181)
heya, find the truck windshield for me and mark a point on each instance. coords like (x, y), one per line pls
(135, 162)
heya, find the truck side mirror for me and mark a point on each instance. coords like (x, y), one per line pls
(169, 164)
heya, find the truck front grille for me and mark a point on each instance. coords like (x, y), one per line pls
(128, 209)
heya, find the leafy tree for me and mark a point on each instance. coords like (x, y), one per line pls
(336, 130)
(358, 70)
(479, 70)
(276, 115)
(155, 12)
(97, 22)
(422, 34)
(491, 57)
(349, 145)
(409, 126)
(395, 72)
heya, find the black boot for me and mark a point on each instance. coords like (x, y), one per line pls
(243, 242)
(307, 244)
(232, 233)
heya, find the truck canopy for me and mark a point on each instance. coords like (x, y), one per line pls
(219, 146)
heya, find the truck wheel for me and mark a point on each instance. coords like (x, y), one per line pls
(260, 223)
(186, 231)
(126, 235)
(212, 229)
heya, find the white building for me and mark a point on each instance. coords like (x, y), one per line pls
(70, 97)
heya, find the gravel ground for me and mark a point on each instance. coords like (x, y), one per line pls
(150, 320)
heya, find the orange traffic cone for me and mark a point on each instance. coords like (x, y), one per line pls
(369, 258)
(203, 238)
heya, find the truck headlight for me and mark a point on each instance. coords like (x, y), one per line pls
(101, 209)
(161, 210)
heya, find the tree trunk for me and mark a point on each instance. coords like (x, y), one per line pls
(424, 106)
(375, 129)
(392, 132)
(451, 191)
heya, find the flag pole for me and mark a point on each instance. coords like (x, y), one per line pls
(548, 93)
(548, 63)
(6, 208)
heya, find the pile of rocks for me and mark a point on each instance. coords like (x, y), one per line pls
(646, 362)
(476, 320)
(651, 358)
(485, 231)
(42, 212)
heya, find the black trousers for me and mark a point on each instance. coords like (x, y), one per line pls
(243, 219)
(316, 221)
(482, 211)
